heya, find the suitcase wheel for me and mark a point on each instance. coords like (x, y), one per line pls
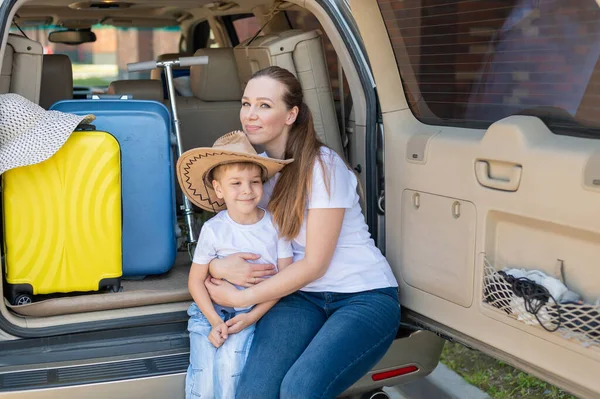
(22, 299)
(116, 288)
(110, 285)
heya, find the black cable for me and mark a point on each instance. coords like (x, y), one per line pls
(18, 27)
(535, 297)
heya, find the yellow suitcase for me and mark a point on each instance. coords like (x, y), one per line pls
(62, 220)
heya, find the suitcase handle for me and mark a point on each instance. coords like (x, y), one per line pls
(85, 127)
(109, 97)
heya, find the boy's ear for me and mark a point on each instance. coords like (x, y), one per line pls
(218, 189)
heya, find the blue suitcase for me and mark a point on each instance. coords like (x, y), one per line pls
(143, 130)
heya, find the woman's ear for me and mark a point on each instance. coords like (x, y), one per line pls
(292, 115)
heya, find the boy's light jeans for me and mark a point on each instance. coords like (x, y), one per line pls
(215, 372)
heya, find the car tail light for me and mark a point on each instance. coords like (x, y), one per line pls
(394, 373)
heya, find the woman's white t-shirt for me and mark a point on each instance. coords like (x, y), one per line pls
(357, 264)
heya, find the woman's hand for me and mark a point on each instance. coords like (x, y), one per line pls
(224, 293)
(236, 269)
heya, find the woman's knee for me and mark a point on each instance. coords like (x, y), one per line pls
(256, 391)
(293, 387)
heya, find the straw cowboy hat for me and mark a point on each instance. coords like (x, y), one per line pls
(29, 134)
(194, 166)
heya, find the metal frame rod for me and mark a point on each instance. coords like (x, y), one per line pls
(187, 205)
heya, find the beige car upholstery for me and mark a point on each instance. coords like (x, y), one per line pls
(22, 68)
(57, 79)
(302, 54)
(6, 70)
(215, 107)
(142, 89)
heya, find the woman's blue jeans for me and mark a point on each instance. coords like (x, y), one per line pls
(317, 344)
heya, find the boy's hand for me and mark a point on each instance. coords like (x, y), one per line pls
(239, 322)
(218, 334)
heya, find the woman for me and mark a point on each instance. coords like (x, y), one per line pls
(339, 310)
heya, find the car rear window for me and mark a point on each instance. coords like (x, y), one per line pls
(470, 63)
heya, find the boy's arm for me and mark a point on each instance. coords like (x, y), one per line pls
(196, 287)
(282, 263)
(243, 320)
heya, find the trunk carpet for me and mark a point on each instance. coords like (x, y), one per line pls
(152, 290)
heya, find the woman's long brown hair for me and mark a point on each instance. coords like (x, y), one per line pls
(288, 201)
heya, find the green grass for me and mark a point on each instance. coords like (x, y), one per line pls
(90, 82)
(497, 379)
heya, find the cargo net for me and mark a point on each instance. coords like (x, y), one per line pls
(533, 305)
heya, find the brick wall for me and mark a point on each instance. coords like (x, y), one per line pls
(116, 46)
(165, 42)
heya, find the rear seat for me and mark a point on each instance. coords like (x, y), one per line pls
(302, 54)
(21, 71)
(215, 107)
(181, 75)
(57, 79)
(142, 89)
(156, 72)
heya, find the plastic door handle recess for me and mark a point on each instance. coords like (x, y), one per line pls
(482, 172)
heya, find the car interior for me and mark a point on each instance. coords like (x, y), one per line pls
(239, 38)
(475, 191)
(211, 110)
(301, 39)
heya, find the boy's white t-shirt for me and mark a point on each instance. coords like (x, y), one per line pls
(357, 264)
(221, 236)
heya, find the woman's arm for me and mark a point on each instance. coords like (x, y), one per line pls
(236, 269)
(243, 320)
(323, 228)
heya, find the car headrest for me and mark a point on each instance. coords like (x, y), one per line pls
(57, 79)
(22, 68)
(218, 80)
(142, 89)
(302, 54)
(6, 70)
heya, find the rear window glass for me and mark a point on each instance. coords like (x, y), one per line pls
(472, 62)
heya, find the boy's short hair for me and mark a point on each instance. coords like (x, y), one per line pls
(217, 172)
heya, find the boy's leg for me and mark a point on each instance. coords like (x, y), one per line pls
(229, 362)
(359, 331)
(199, 381)
(279, 339)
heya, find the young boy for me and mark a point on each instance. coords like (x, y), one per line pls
(219, 178)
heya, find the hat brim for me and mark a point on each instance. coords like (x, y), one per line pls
(43, 138)
(193, 166)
